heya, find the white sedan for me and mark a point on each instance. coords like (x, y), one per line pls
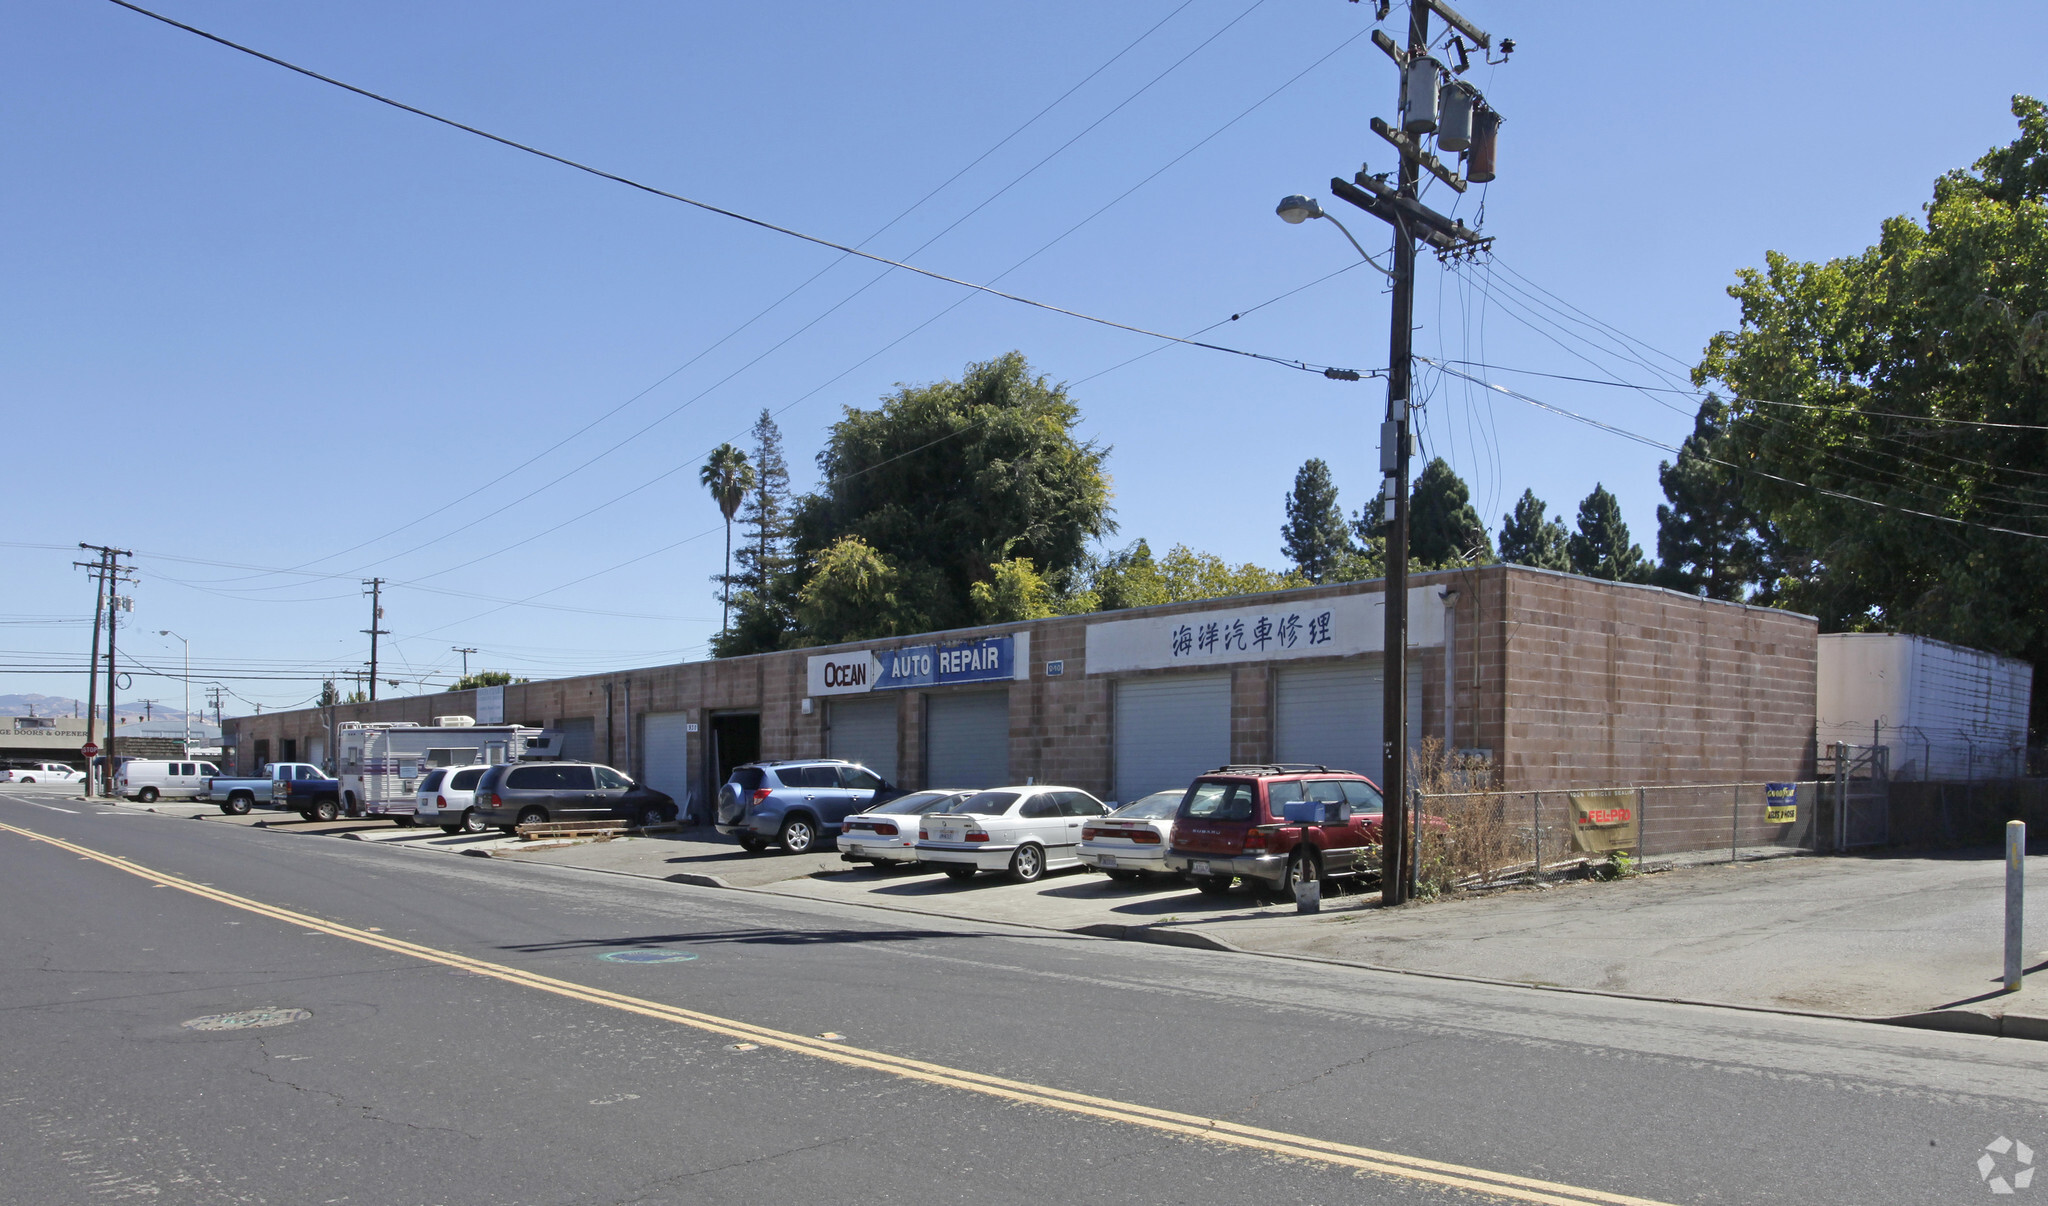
(1024, 830)
(888, 834)
(1131, 842)
(42, 772)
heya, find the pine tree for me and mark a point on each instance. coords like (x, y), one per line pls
(766, 582)
(1443, 528)
(1528, 536)
(1601, 547)
(1315, 536)
(1708, 539)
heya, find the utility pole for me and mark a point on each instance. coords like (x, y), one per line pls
(376, 593)
(92, 668)
(110, 573)
(1432, 101)
(465, 657)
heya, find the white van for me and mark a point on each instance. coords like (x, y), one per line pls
(147, 779)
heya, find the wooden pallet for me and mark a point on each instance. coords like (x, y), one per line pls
(559, 829)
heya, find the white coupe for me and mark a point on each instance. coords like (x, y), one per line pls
(1024, 830)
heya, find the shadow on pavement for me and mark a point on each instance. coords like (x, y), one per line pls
(754, 937)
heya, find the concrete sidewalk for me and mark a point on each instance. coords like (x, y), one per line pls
(1889, 936)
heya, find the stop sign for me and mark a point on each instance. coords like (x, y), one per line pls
(88, 749)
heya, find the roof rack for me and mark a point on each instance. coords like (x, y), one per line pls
(1270, 768)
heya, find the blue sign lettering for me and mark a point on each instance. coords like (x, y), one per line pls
(990, 659)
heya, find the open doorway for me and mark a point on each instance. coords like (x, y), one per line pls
(735, 739)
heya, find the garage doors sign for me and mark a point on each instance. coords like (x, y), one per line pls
(990, 659)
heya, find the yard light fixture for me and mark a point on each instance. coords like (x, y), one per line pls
(1296, 209)
(184, 746)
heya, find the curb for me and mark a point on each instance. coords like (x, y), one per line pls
(1954, 1021)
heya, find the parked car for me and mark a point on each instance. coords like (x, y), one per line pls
(796, 803)
(1130, 843)
(445, 797)
(1231, 824)
(41, 772)
(314, 797)
(148, 779)
(236, 796)
(888, 833)
(1024, 830)
(525, 793)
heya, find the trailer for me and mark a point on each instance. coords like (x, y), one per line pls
(380, 764)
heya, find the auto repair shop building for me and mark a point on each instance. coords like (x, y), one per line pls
(1562, 681)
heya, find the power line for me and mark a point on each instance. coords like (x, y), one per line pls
(1648, 441)
(707, 207)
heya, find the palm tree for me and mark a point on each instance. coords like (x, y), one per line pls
(727, 475)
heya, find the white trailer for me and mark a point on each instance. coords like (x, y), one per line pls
(380, 764)
(1943, 711)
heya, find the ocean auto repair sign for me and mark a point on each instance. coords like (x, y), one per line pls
(1336, 627)
(901, 667)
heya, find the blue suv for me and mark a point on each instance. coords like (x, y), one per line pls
(797, 803)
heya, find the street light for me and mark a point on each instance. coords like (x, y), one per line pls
(1296, 209)
(187, 746)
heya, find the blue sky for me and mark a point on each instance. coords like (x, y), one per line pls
(261, 323)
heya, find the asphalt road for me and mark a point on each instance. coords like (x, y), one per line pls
(475, 1037)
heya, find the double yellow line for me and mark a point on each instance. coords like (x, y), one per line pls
(1191, 1126)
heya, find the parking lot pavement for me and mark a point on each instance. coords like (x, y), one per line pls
(1879, 936)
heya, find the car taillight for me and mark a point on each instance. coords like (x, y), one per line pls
(885, 829)
(977, 835)
(1089, 833)
(762, 793)
(924, 835)
(496, 802)
(1254, 839)
(1145, 837)
(440, 801)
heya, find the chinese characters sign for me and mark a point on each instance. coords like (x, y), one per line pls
(1289, 629)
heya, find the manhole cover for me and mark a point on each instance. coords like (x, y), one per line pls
(248, 1019)
(647, 956)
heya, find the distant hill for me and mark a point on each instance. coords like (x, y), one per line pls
(58, 705)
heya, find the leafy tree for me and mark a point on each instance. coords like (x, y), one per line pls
(485, 678)
(768, 576)
(1709, 541)
(1014, 591)
(945, 480)
(1133, 578)
(1443, 528)
(1315, 536)
(1529, 537)
(728, 476)
(1601, 547)
(855, 592)
(1865, 393)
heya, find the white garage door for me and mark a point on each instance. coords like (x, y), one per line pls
(864, 731)
(1330, 715)
(1168, 730)
(967, 740)
(665, 754)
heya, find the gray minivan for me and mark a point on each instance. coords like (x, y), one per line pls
(521, 793)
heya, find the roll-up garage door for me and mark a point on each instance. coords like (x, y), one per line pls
(1168, 730)
(1330, 715)
(864, 731)
(967, 739)
(665, 754)
(579, 738)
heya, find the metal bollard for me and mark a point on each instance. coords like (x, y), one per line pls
(2015, 900)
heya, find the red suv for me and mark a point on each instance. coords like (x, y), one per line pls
(1232, 824)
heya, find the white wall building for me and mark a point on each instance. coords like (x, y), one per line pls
(1945, 712)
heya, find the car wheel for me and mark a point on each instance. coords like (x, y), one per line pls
(147, 795)
(653, 814)
(531, 815)
(472, 823)
(752, 844)
(1027, 866)
(1301, 868)
(1213, 885)
(238, 804)
(956, 871)
(327, 808)
(24, 780)
(798, 835)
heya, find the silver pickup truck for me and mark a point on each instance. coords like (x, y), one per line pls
(237, 796)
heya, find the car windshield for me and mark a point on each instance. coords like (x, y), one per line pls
(1218, 802)
(1156, 807)
(916, 803)
(981, 804)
